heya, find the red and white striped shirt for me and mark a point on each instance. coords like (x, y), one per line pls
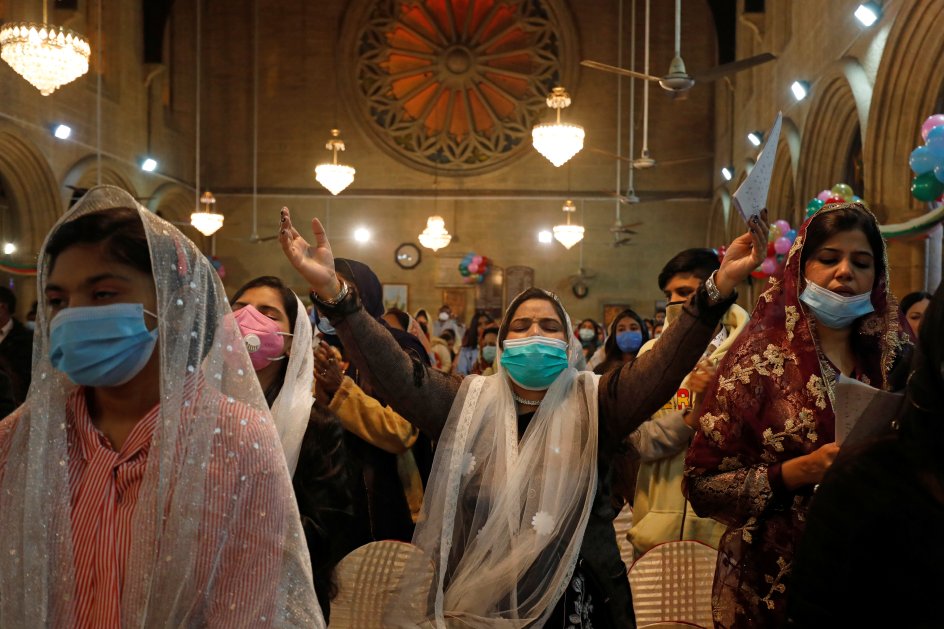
(238, 562)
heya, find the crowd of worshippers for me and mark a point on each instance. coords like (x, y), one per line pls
(173, 456)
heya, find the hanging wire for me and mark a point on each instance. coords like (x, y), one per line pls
(98, 98)
(619, 107)
(196, 190)
(254, 235)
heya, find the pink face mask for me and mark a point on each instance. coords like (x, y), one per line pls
(262, 336)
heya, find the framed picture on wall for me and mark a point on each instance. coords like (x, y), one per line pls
(610, 311)
(517, 280)
(396, 296)
(489, 294)
(457, 299)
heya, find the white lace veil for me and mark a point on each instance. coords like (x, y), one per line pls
(292, 407)
(503, 520)
(217, 538)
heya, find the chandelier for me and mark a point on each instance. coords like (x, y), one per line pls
(435, 236)
(47, 56)
(559, 141)
(567, 234)
(334, 176)
(206, 221)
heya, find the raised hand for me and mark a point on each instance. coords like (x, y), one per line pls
(744, 254)
(314, 263)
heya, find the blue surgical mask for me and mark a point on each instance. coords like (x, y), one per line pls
(834, 310)
(629, 341)
(101, 346)
(30, 325)
(586, 334)
(488, 353)
(323, 325)
(534, 362)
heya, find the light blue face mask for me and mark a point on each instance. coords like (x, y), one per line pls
(101, 346)
(534, 362)
(488, 353)
(322, 323)
(834, 310)
(629, 341)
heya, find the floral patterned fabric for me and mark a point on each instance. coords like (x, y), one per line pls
(772, 402)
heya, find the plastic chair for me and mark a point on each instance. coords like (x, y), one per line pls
(672, 583)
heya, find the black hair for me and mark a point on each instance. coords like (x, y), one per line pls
(119, 231)
(290, 304)
(699, 262)
(612, 351)
(471, 338)
(531, 293)
(7, 297)
(911, 299)
(402, 318)
(845, 218)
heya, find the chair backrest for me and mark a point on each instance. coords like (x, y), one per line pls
(371, 576)
(672, 583)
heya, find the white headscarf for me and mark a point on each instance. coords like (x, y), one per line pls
(503, 520)
(203, 548)
(292, 407)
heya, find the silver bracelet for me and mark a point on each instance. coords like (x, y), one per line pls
(714, 295)
(337, 298)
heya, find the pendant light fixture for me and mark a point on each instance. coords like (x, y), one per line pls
(204, 219)
(568, 234)
(558, 141)
(334, 176)
(435, 236)
(47, 56)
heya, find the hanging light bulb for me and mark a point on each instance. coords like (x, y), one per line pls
(334, 176)
(558, 141)
(435, 236)
(206, 221)
(567, 234)
(47, 56)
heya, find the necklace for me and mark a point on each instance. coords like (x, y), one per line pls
(521, 400)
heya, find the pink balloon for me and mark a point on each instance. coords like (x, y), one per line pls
(825, 194)
(783, 225)
(769, 266)
(477, 260)
(933, 121)
(473, 268)
(782, 245)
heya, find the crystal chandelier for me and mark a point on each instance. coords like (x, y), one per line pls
(334, 176)
(47, 56)
(206, 220)
(435, 236)
(567, 234)
(559, 141)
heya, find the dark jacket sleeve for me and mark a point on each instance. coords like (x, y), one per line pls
(423, 396)
(631, 394)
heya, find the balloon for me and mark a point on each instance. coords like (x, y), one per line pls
(939, 169)
(781, 258)
(811, 212)
(926, 187)
(791, 235)
(782, 245)
(932, 121)
(768, 266)
(856, 199)
(721, 251)
(922, 160)
(758, 274)
(842, 190)
(815, 204)
(770, 247)
(835, 200)
(774, 233)
(936, 148)
(783, 226)
(824, 194)
(477, 260)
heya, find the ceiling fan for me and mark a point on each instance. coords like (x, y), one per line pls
(678, 80)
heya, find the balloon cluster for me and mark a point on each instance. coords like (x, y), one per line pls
(927, 161)
(474, 268)
(218, 266)
(840, 193)
(778, 245)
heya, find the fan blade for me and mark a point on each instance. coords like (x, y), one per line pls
(609, 154)
(596, 65)
(715, 73)
(685, 160)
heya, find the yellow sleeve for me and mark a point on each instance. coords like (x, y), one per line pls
(367, 418)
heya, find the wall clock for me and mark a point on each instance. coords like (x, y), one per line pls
(407, 255)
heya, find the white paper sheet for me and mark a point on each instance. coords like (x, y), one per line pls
(751, 196)
(862, 411)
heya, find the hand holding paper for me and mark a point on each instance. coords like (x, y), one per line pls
(751, 196)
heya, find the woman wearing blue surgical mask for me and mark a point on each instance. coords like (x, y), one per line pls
(488, 350)
(768, 428)
(628, 332)
(590, 335)
(516, 520)
(145, 447)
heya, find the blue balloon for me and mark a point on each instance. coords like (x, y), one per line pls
(939, 172)
(923, 160)
(935, 134)
(791, 235)
(936, 146)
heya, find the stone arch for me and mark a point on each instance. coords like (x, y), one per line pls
(717, 233)
(31, 186)
(172, 201)
(782, 199)
(905, 93)
(84, 174)
(831, 128)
